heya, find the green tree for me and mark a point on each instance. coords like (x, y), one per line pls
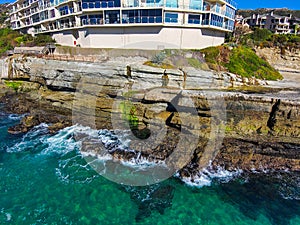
(261, 34)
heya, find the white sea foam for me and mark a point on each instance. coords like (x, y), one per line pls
(68, 141)
(8, 216)
(206, 176)
(30, 139)
(16, 116)
(104, 162)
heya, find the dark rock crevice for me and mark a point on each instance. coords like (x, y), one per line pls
(272, 118)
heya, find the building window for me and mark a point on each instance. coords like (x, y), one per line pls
(205, 19)
(64, 10)
(131, 16)
(112, 17)
(96, 19)
(52, 13)
(171, 17)
(172, 3)
(196, 4)
(151, 16)
(142, 16)
(154, 3)
(206, 6)
(64, 24)
(218, 8)
(194, 19)
(92, 4)
(44, 15)
(229, 24)
(230, 12)
(216, 20)
(131, 3)
(35, 18)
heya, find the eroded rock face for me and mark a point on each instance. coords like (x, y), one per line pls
(290, 60)
(235, 130)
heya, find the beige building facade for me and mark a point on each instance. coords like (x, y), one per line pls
(134, 24)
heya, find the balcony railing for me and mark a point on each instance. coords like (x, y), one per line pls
(129, 20)
(23, 6)
(97, 5)
(66, 12)
(93, 21)
(216, 24)
(67, 25)
(231, 2)
(172, 5)
(230, 15)
(142, 19)
(194, 21)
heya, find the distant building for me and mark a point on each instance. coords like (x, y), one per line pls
(256, 21)
(295, 25)
(145, 24)
(275, 23)
(278, 24)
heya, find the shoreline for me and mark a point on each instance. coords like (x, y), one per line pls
(270, 136)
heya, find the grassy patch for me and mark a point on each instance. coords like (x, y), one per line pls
(10, 39)
(197, 64)
(128, 114)
(13, 84)
(245, 62)
(211, 54)
(240, 60)
(161, 65)
(130, 93)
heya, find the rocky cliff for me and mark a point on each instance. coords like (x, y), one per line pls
(190, 118)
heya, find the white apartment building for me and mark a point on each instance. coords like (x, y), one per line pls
(135, 24)
(275, 23)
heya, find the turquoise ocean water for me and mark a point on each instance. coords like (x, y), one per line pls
(45, 180)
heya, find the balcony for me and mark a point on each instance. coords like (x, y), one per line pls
(231, 2)
(23, 6)
(98, 5)
(230, 15)
(66, 25)
(172, 5)
(93, 21)
(217, 24)
(194, 21)
(212, 9)
(282, 28)
(142, 19)
(66, 12)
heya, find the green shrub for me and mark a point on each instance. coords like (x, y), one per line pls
(7, 39)
(43, 39)
(197, 64)
(158, 58)
(245, 62)
(294, 39)
(128, 114)
(3, 17)
(261, 34)
(10, 39)
(19, 40)
(13, 84)
(211, 54)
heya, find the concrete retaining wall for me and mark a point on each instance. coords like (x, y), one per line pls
(148, 38)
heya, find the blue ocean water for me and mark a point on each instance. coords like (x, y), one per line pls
(46, 180)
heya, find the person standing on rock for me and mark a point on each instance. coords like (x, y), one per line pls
(165, 79)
